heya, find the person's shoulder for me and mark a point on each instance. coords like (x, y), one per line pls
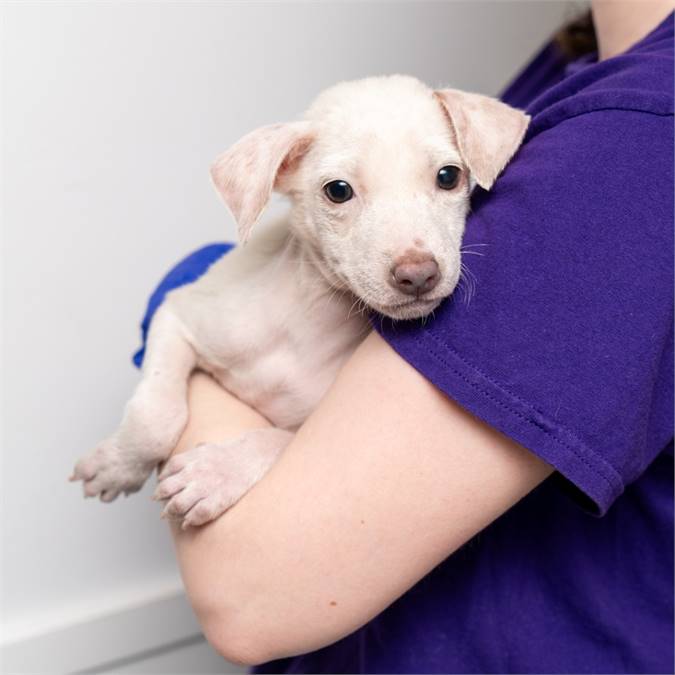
(639, 80)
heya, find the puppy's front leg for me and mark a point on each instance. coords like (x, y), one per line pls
(153, 420)
(204, 482)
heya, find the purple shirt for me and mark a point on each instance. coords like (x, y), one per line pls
(566, 347)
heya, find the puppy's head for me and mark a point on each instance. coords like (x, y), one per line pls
(379, 173)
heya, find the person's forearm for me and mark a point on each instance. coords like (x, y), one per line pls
(215, 416)
(356, 510)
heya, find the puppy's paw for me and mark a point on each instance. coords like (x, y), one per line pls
(110, 470)
(201, 484)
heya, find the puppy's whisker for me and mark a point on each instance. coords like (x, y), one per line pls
(364, 308)
(334, 291)
(356, 302)
(470, 283)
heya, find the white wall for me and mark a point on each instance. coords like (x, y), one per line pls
(112, 113)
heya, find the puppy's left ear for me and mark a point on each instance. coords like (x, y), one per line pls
(488, 132)
(246, 174)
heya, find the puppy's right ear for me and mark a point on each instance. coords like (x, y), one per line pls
(245, 175)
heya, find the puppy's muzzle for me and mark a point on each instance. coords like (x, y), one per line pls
(415, 275)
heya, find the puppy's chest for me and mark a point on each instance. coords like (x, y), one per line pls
(271, 332)
(276, 384)
(278, 352)
(284, 379)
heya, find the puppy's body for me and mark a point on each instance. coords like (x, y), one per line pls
(379, 175)
(269, 326)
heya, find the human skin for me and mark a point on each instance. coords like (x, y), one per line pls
(385, 480)
(621, 23)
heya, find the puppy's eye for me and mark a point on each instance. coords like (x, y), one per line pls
(448, 177)
(338, 191)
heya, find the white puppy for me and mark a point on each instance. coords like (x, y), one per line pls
(379, 174)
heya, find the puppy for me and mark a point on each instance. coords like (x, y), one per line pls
(379, 174)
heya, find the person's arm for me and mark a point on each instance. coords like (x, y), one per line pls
(385, 479)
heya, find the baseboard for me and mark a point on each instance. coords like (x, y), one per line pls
(86, 641)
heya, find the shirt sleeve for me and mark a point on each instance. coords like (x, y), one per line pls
(560, 334)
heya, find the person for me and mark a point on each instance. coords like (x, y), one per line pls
(491, 491)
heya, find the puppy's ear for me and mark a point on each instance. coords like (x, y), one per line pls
(245, 175)
(488, 132)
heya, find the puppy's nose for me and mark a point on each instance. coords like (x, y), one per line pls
(415, 277)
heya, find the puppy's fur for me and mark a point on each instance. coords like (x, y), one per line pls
(274, 320)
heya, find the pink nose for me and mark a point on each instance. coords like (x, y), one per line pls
(415, 276)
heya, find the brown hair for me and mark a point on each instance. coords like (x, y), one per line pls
(577, 37)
